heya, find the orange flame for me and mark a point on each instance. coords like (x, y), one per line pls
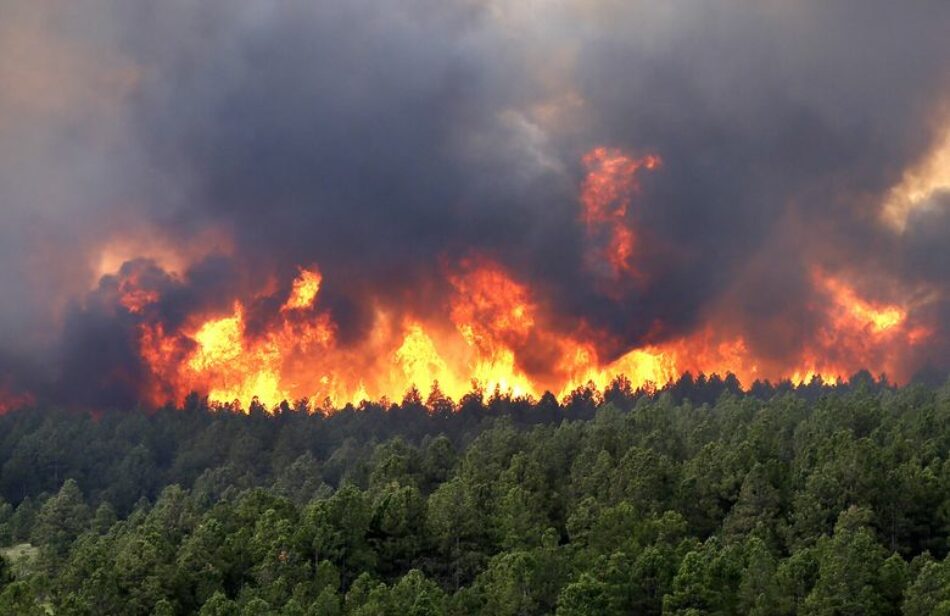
(605, 199)
(853, 312)
(11, 400)
(304, 292)
(133, 297)
(856, 333)
(494, 333)
(227, 363)
(496, 323)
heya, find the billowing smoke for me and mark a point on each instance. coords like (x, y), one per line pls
(162, 160)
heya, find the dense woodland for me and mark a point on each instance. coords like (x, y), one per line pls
(696, 499)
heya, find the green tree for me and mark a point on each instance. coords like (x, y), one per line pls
(337, 529)
(398, 528)
(219, 605)
(849, 570)
(758, 591)
(758, 510)
(455, 524)
(278, 567)
(707, 581)
(20, 599)
(104, 518)
(415, 595)
(586, 596)
(301, 480)
(508, 585)
(60, 521)
(929, 593)
(327, 603)
(164, 608)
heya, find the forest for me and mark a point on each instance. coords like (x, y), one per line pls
(697, 498)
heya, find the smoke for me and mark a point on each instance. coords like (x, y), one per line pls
(231, 142)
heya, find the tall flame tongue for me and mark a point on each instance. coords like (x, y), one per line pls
(495, 332)
(606, 195)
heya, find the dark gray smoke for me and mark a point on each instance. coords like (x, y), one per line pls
(383, 140)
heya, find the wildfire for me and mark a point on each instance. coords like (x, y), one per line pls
(11, 399)
(229, 364)
(494, 331)
(853, 312)
(305, 290)
(855, 332)
(496, 323)
(133, 296)
(300, 357)
(606, 195)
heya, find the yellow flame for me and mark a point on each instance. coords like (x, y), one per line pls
(304, 291)
(876, 317)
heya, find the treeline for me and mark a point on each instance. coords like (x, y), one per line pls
(120, 455)
(697, 499)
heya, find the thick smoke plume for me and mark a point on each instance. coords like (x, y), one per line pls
(160, 161)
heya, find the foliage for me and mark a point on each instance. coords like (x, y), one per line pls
(690, 500)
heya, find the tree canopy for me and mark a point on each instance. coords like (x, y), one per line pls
(696, 499)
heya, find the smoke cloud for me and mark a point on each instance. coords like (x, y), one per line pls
(207, 148)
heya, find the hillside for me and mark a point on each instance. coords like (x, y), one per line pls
(817, 501)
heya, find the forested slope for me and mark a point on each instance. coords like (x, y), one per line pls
(695, 500)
